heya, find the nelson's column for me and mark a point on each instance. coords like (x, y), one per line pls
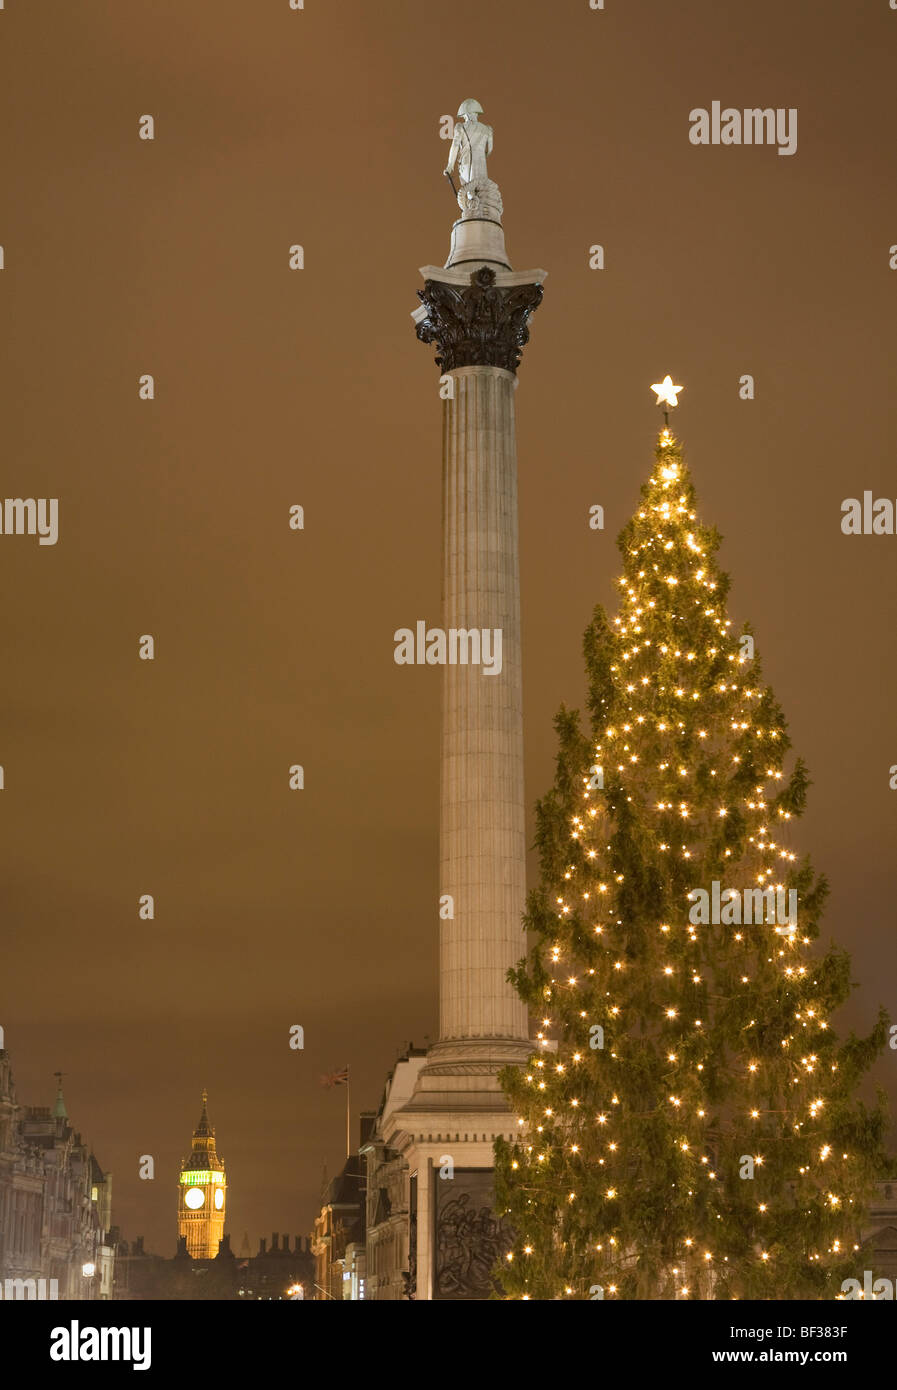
(476, 311)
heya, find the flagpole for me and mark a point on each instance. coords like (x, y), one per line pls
(348, 1121)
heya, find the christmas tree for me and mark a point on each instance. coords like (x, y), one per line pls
(689, 1127)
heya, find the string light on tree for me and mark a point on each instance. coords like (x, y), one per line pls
(713, 1141)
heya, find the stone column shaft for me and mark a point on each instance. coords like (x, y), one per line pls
(482, 832)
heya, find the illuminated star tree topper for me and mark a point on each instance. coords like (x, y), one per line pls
(667, 395)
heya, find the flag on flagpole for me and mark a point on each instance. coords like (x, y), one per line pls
(336, 1078)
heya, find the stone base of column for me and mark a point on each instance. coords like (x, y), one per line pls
(455, 1236)
(458, 1084)
(445, 1132)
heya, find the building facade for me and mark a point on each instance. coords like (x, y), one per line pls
(55, 1203)
(391, 1192)
(338, 1242)
(284, 1271)
(339, 1230)
(879, 1252)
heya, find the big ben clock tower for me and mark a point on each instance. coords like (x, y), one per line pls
(202, 1189)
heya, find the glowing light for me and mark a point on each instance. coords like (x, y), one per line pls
(666, 392)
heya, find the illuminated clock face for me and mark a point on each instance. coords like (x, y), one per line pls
(194, 1198)
(219, 1197)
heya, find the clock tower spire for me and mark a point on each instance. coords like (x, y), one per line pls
(202, 1192)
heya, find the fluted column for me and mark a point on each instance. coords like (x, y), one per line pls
(479, 322)
(482, 836)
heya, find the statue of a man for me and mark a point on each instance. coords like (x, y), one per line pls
(471, 143)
